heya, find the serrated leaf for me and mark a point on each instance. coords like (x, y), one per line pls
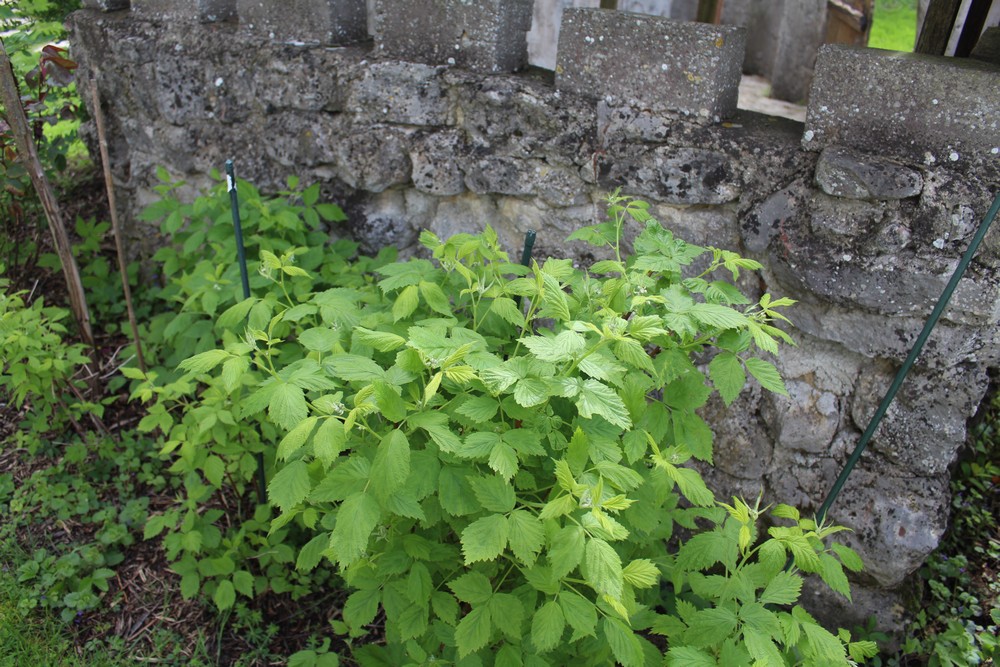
(235, 314)
(832, 573)
(319, 339)
(435, 297)
(312, 553)
(485, 538)
(391, 466)
(704, 550)
(509, 608)
(716, 315)
(380, 340)
(848, 556)
(412, 623)
(356, 519)
(479, 409)
(287, 406)
(232, 372)
(556, 349)
(756, 616)
(784, 588)
(503, 459)
(225, 595)
(289, 486)
(530, 392)
(558, 507)
(526, 536)
(214, 469)
(580, 614)
(767, 375)
(204, 362)
(825, 647)
(547, 626)
(603, 568)
(709, 626)
(472, 587)
(352, 367)
(473, 631)
(296, 438)
(508, 656)
(494, 493)
(329, 440)
(727, 375)
(641, 573)
(597, 398)
(687, 656)
(624, 644)
(361, 608)
(762, 649)
(508, 311)
(406, 302)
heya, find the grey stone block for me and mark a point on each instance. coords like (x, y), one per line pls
(842, 172)
(673, 175)
(106, 5)
(203, 11)
(332, 22)
(651, 62)
(925, 109)
(483, 36)
(404, 93)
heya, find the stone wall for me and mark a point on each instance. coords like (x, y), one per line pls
(861, 214)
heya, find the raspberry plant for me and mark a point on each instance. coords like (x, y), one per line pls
(496, 458)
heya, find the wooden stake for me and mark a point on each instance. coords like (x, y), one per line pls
(11, 98)
(115, 228)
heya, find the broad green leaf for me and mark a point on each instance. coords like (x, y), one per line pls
(526, 536)
(494, 493)
(825, 647)
(624, 644)
(352, 367)
(329, 440)
(556, 349)
(214, 469)
(558, 507)
(633, 354)
(478, 444)
(566, 549)
(848, 556)
(832, 573)
(508, 656)
(287, 406)
(691, 431)
(687, 656)
(603, 568)
(710, 626)
(295, 438)
(597, 398)
(641, 573)
(389, 403)
(473, 631)
(715, 315)
(204, 362)
(455, 493)
(580, 614)
(472, 587)
(704, 550)
(508, 311)
(391, 466)
(783, 589)
(289, 486)
(509, 608)
(689, 392)
(756, 616)
(311, 554)
(380, 340)
(406, 302)
(530, 392)
(503, 459)
(233, 371)
(485, 538)
(479, 409)
(435, 297)
(762, 649)
(356, 519)
(547, 626)
(445, 607)
(361, 608)
(437, 427)
(319, 339)
(767, 375)
(727, 375)
(225, 595)
(412, 623)
(235, 314)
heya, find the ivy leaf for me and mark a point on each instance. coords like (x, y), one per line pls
(624, 644)
(287, 406)
(472, 587)
(526, 536)
(485, 538)
(289, 486)
(356, 519)
(767, 375)
(784, 588)
(727, 375)
(473, 631)
(580, 613)
(603, 568)
(494, 493)
(547, 626)
(391, 466)
(597, 398)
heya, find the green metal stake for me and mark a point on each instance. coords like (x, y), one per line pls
(529, 243)
(910, 358)
(241, 255)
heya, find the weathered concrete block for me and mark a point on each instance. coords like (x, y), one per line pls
(483, 36)
(842, 172)
(926, 109)
(203, 11)
(106, 5)
(651, 62)
(404, 93)
(334, 22)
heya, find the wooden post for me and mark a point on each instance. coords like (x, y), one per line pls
(709, 11)
(938, 22)
(11, 98)
(609, 4)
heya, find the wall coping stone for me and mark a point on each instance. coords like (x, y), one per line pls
(203, 11)
(651, 62)
(924, 109)
(329, 22)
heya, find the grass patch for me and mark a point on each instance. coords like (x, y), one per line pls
(894, 25)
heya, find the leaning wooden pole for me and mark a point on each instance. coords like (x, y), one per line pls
(102, 140)
(11, 99)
